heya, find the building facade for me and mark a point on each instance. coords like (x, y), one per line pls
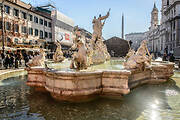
(136, 39)
(171, 23)
(154, 36)
(62, 28)
(164, 37)
(22, 23)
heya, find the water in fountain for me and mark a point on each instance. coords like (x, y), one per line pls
(158, 102)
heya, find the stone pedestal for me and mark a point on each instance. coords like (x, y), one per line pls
(82, 86)
(37, 79)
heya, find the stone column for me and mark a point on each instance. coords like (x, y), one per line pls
(177, 32)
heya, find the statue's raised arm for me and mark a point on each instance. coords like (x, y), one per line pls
(104, 17)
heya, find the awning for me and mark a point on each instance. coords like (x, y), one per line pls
(8, 48)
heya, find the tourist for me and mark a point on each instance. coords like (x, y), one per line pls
(11, 60)
(19, 58)
(2, 55)
(16, 60)
(165, 57)
(26, 58)
(6, 61)
(2, 59)
(172, 58)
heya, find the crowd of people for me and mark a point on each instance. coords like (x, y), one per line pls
(168, 57)
(165, 57)
(15, 59)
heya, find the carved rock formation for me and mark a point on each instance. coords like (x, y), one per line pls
(58, 55)
(140, 59)
(37, 60)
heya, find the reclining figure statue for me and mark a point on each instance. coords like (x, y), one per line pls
(140, 59)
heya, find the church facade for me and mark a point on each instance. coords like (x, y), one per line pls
(164, 37)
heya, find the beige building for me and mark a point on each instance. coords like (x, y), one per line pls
(27, 25)
(171, 23)
(136, 39)
(155, 44)
(166, 36)
(24, 24)
(62, 28)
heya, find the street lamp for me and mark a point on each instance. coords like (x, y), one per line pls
(2, 16)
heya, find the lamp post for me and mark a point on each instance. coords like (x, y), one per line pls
(2, 16)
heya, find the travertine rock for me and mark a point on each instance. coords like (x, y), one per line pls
(92, 51)
(78, 86)
(58, 55)
(139, 60)
(79, 60)
(38, 60)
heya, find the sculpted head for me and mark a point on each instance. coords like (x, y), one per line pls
(80, 43)
(144, 42)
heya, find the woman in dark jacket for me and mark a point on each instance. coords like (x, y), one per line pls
(6, 61)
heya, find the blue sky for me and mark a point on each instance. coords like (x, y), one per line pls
(137, 13)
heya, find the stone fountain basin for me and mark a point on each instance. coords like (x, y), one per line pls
(77, 86)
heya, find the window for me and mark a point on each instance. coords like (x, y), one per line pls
(167, 2)
(30, 42)
(41, 34)
(16, 40)
(7, 9)
(30, 17)
(30, 31)
(50, 35)
(24, 15)
(8, 25)
(45, 23)
(174, 11)
(46, 35)
(16, 28)
(0, 24)
(36, 32)
(35, 19)
(41, 21)
(8, 40)
(174, 25)
(49, 24)
(36, 42)
(24, 40)
(16, 12)
(24, 29)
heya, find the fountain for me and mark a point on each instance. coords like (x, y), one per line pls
(81, 82)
